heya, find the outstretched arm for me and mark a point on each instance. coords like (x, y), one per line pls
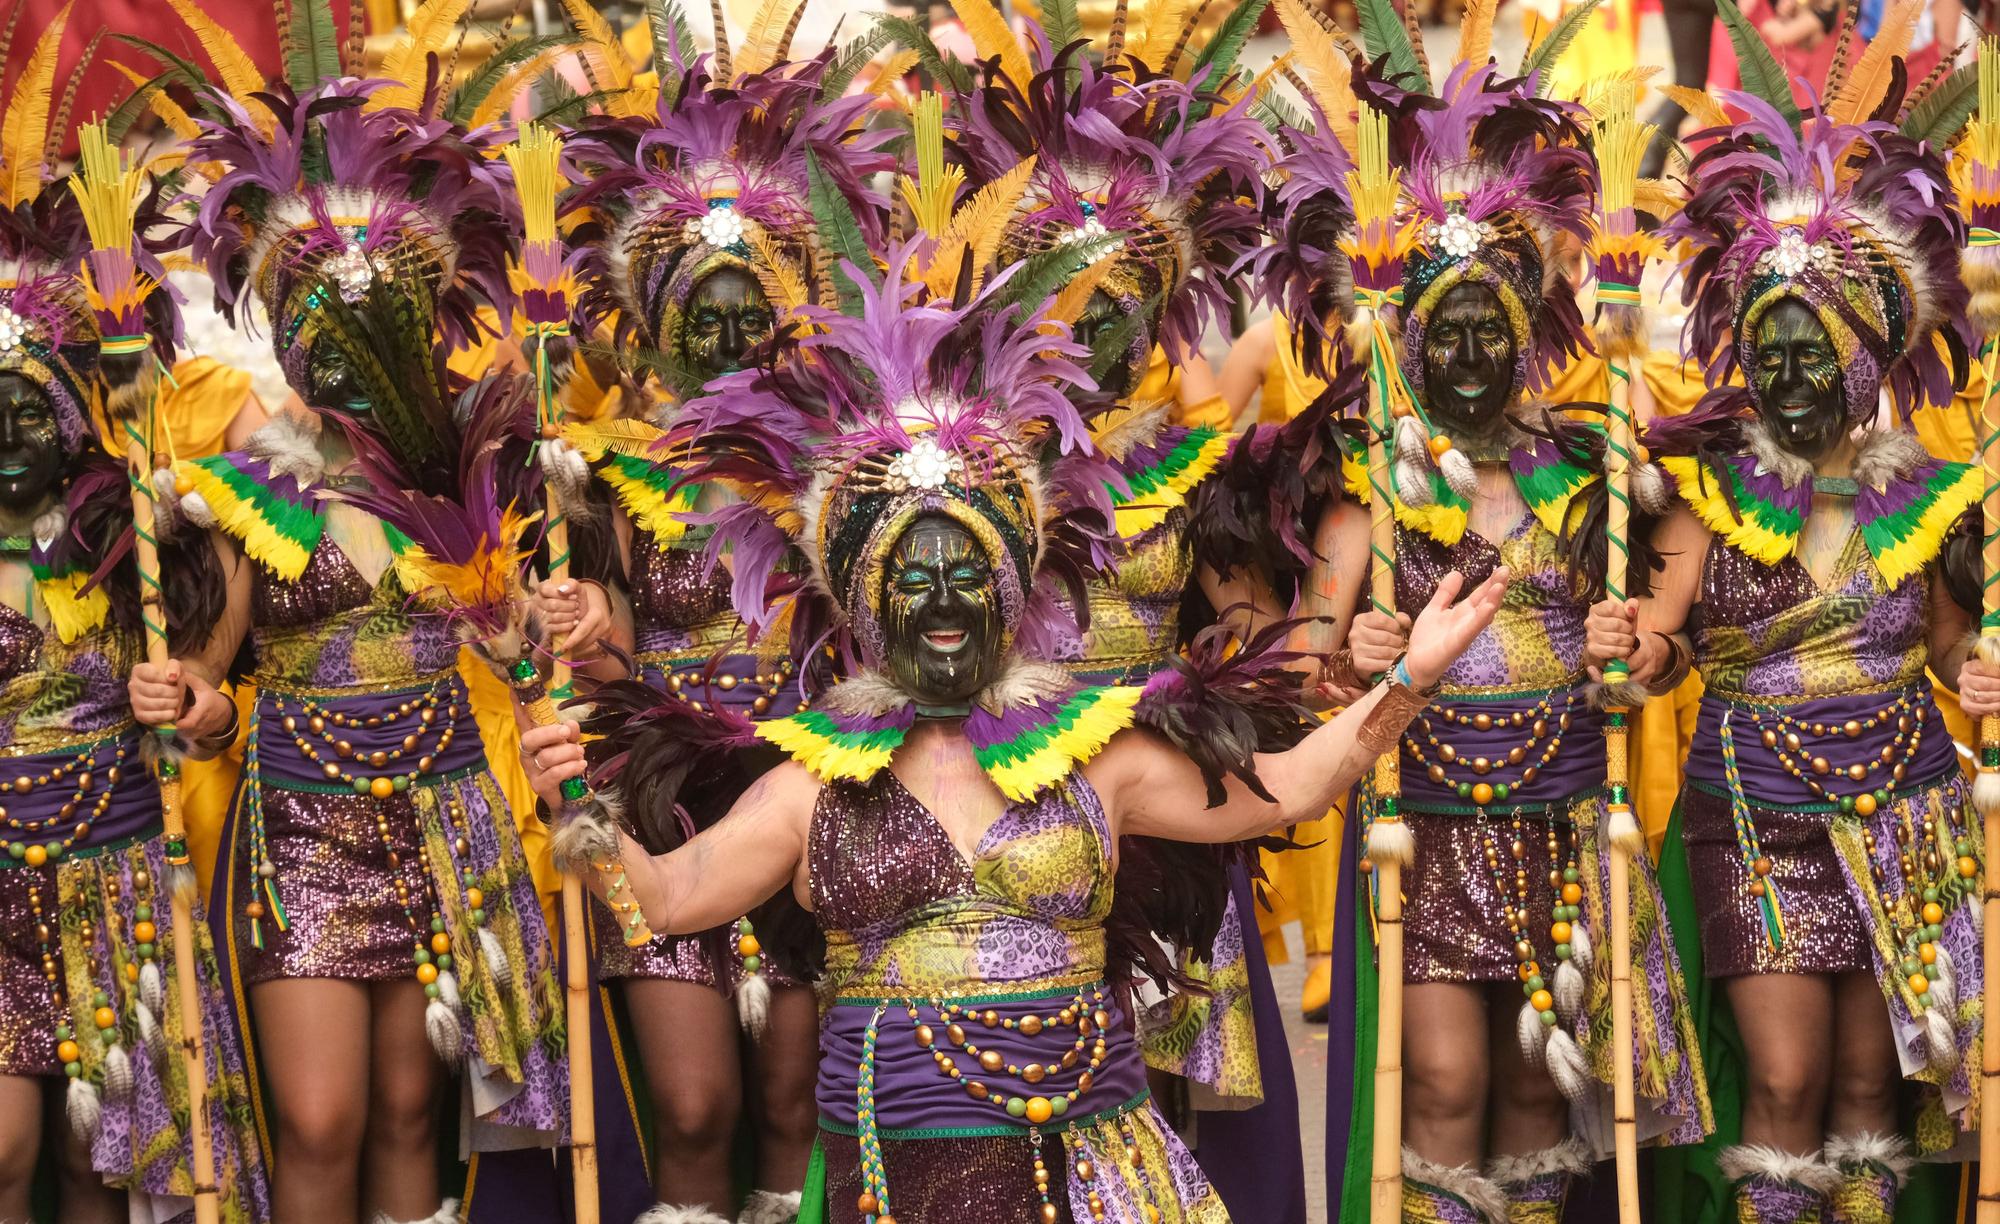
(1151, 789)
(722, 872)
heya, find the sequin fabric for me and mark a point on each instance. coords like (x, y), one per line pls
(1539, 1200)
(686, 625)
(1427, 1204)
(906, 915)
(55, 697)
(332, 639)
(1135, 617)
(1766, 1200)
(1464, 881)
(1850, 885)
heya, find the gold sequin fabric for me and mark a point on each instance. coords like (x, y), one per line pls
(1135, 617)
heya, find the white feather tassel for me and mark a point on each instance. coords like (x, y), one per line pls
(117, 1073)
(152, 991)
(85, 1109)
(1650, 490)
(1568, 1066)
(150, 1030)
(1941, 1039)
(1413, 445)
(1622, 831)
(1569, 991)
(197, 510)
(1580, 952)
(447, 985)
(1390, 841)
(1532, 1034)
(753, 1004)
(441, 1026)
(495, 955)
(1459, 473)
(1986, 792)
(1413, 484)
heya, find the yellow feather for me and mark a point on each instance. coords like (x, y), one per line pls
(1863, 89)
(893, 70)
(495, 105)
(1162, 27)
(1327, 74)
(606, 52)
(1699, 103)
(1656, 197)
(1475, 32)
(616, 436)
(26, 125)
(407, 63)
(991, 36)
(1599, 93)
(981, 221)
(767, 28)
(240, 74)
(1069, 303)
(783, 283)
(169, 111)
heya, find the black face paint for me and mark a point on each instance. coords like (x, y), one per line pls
(330, 382)
(727, 317)
(1100, 315)
(1796, 375)
(31, 453)
(1469, 359)
(940, 614)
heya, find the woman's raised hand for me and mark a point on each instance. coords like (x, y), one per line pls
(1448, 625)
(552, 755)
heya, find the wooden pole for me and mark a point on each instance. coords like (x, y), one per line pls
(1986, 793)
(181, 879)
(1622, 832)
(1386, 1181)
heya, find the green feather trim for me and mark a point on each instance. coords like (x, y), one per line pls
(649, 495)
(276, 533)
(1152, 492)
(1042, 755)
(1444, 519)
(1905, 541)
(815, 740)
(1765, 531)
(1551, 486)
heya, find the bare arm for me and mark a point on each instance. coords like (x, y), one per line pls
(1152, 789)
(1243, 370)
(1332, 593)
(1682, 543)
(186, 692)
(1951, 632)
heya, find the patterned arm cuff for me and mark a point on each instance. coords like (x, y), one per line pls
(1382, 730)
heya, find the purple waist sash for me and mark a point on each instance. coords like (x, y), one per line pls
(346, 721)
(914, 1099)
(1762, 771)
(734, 682)
(1576, 767)
(131, 800)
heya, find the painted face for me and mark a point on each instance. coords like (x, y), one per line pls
(940, 613)
(1100, 314)
(1797, 380)
(726, 318)
(1468, 360)
(31, 453)
(330, 382)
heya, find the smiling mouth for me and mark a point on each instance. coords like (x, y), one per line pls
(13, 469)
(1470, 390)
(1793, 411)
(946, 641)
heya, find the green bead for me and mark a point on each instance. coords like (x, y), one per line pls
(1548, 1018)
(437, 926)
(479, 917)
(430, 990)
(103, 1000)
(1934, 932)
(1931, 894)
(1499, 790)
(1465, 790)
(17, 850)
(1882, 797)
(361, 786)
(444, 961)
(1536, 983)
(143, 913)
(1059, 1105)
(1911, 965)
(1571, 875)
(146, 951)
(64, 1032)
(752, 964)
(1016, 1107)
(401, 782)
(743, 927)
(423, 956)
(1562, 951)
(1847, 803)
(55, 850)
(73, 1070)
(1931, 972)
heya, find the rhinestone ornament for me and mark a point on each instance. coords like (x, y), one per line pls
(13, 330)
(924, 466)
(1459, 236)
(350, 272)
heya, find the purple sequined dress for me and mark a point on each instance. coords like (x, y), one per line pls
(370, 841)
(1826, 684)
(963, 999)
(86, 933)
(691, 645)
(1503, 786)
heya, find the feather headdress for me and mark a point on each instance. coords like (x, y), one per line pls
(1840, 210)
(722, 175)
(1169, 165)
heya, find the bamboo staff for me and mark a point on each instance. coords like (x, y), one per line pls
(108, 190)
(1376, 253)
(544, 285)
(1981, 201)
(1620, 258)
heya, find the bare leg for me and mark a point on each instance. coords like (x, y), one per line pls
(314, 1035)
(20, 1142)
(1527, 1112)
(688, 1040)
(1787, 1025)
(1865, 1070)
(1445, 1072)
(81, 1195)
(784, 1064)
(399, 1150)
